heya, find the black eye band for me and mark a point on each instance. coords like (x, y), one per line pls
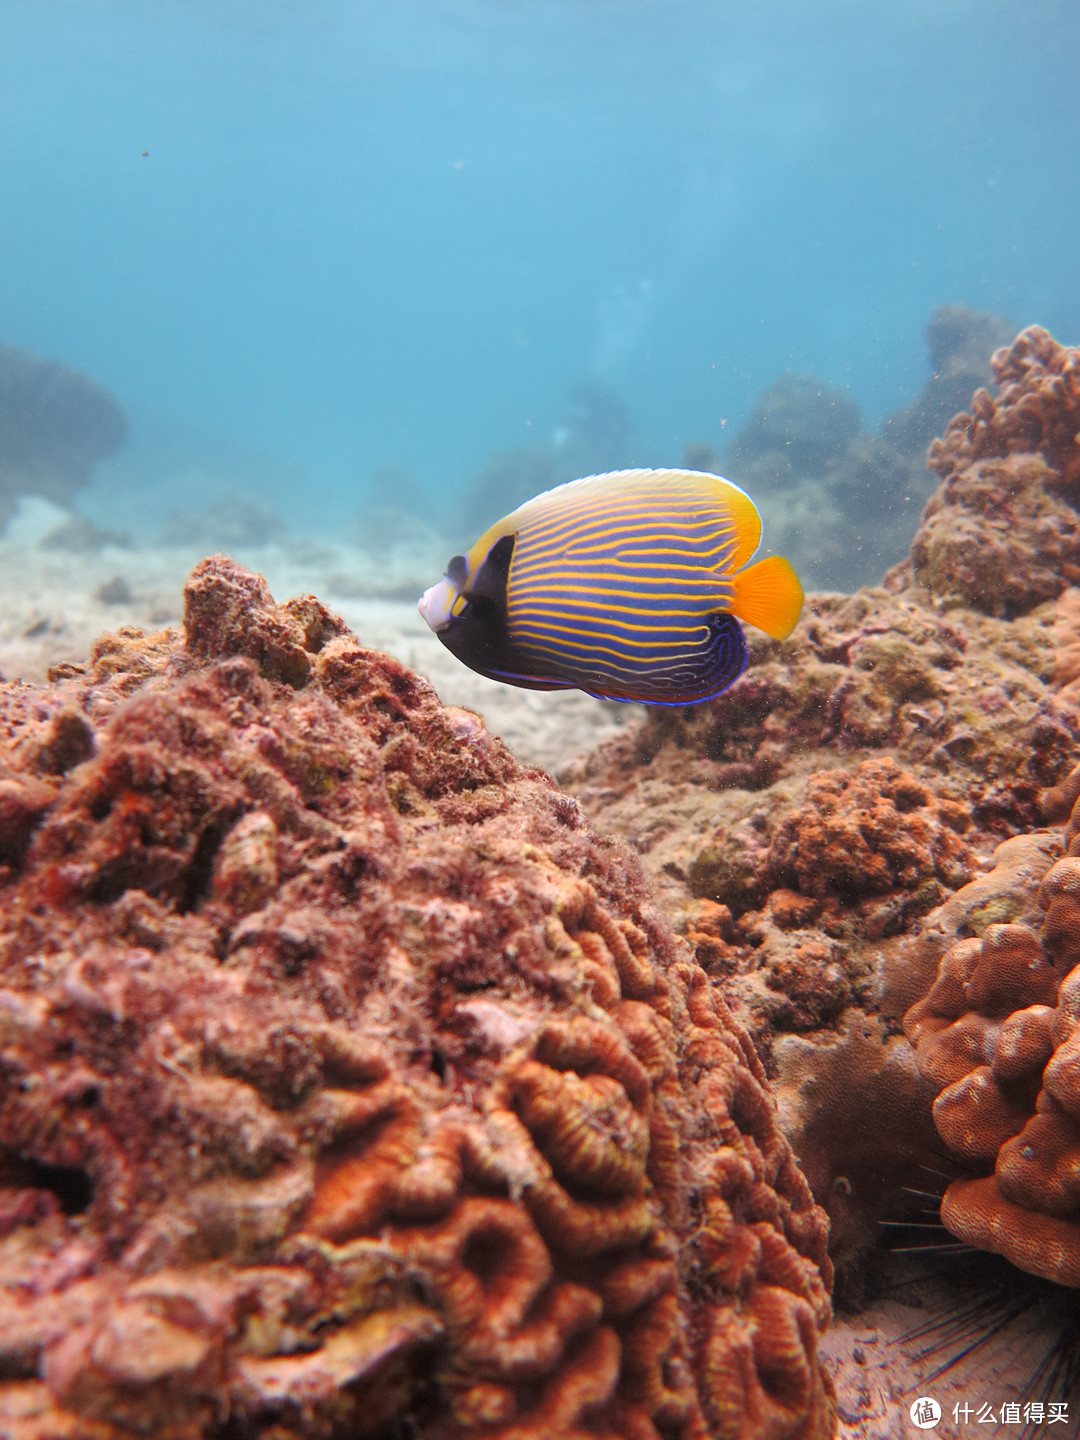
(457, 571)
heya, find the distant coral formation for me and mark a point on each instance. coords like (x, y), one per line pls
(842, 502)
(234, 521)
(55, 424)
(592, 438)
(960, 342)
(798, 426)
(351, 1082)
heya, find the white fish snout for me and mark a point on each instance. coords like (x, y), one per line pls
(434, 605)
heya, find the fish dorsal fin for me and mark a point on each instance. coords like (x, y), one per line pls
(740, 512)
(745, 520)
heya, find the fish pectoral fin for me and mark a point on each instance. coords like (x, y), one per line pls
(768, 595)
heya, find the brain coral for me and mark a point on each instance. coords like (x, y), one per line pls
(998, 1035)
(351, 1085)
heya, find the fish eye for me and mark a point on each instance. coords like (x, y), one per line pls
(457, 571)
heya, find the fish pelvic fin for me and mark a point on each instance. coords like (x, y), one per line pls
(768, 595)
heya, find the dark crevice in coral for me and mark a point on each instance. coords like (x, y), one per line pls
(23, 807)
(70, 742)
(100, 807)
(19, 1365)
(195, 883)
(486, 1255)
(71, 1184)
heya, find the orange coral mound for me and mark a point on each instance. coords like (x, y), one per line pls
(870, 831)
(999, 1036)
(351, 1083)
(978, 1213)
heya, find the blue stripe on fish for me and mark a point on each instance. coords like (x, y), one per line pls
(618, 600)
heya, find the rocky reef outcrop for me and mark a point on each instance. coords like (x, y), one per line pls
(811, 828)
(1002, 535)
(55, 424)
(352, 1084)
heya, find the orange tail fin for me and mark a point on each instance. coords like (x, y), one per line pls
(769, 596)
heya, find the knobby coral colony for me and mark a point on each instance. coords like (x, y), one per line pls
(998, 1036)
(352, 1084)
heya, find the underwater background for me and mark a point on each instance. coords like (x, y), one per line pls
(326, 255)
(742, 1046)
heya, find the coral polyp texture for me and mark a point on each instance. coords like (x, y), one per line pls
(1001, 534)
(998, 1035)
(874, 780)
(351, 1084)
(1037, 410)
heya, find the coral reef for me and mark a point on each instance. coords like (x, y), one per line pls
(1001, 534)
(595, 432)
(998, 1035)
(1037, 410)
(804, 457)
(818, 831)
(351, 1084)
(396, 514)
(997, 538)
(798, 426)
(1066, 639)
(80, 536)
(507, 480)
(55, 424)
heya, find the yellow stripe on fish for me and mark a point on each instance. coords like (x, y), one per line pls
(629, 585)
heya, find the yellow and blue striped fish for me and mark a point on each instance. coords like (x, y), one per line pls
(629, 586)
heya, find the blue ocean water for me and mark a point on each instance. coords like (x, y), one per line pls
(305, 243)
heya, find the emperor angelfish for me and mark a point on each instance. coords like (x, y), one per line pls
(629, 586)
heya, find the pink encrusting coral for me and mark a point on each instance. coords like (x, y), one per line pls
(351, 1084)
(1002, 533)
